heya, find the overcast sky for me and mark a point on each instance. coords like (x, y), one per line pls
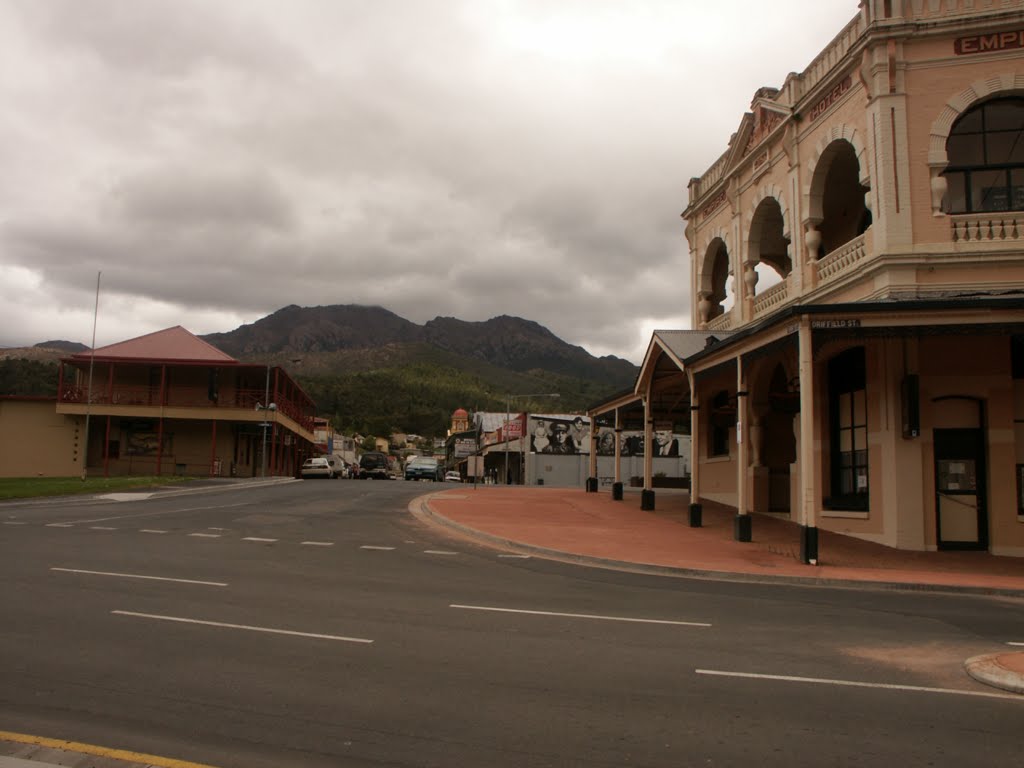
(468, 158)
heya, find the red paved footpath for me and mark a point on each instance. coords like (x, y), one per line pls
(593, 526)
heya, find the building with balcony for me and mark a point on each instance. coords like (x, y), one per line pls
(170, 403)
(857, 272)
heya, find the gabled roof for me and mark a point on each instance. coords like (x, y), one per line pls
(677, 345)
(169, 345)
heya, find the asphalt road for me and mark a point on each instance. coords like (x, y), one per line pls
(318, 623)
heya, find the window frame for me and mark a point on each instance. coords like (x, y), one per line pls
(718, 430)
(961, 172)
(847, 386)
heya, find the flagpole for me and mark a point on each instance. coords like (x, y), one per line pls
(92, 362)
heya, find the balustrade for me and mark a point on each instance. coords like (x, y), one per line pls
(841, 259)
(720, 323)
(987, 227)
(770, 298)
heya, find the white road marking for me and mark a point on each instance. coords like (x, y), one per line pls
(856, 684)
(256, 538)
(1015, 643)
(15, 522)
(102, 528)
(140, 576)
(165, 512)
(516, 557)
(438, 552)
(372, 546)
(151, 530)
(316, 543)
(205, 535)
(242, 626)
(59, 525)
(582, 616)
(218, 529)
(126, 496)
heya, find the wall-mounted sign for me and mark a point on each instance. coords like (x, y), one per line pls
(997, 41)
(844, 323)
(830, 98)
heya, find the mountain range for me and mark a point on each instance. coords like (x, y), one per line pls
(374, 371)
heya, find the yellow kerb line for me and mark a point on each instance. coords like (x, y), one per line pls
(92, 749)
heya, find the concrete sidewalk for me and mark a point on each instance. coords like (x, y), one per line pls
(592, 529)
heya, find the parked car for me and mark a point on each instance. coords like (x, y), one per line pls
(317, 467)
(373, 464)
(423, 468)
(452, 477)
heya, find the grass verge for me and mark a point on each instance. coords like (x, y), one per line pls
(30, 487)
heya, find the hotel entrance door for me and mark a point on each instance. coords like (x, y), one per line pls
(960, 499)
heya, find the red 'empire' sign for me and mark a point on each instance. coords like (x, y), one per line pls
(997, 41)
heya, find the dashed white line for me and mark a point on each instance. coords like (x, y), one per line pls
(1014, 643)
(140, 576)
(257, 538)
(438, 552)
(102, 528)
(211, 528)
(582, 616)
(316, 543)
(162, 512)
(857, 684)
(243, 626)
(59, 525)
(375, 547)
(516, 557)
(205, 535)
(15, 522)
(151, 530)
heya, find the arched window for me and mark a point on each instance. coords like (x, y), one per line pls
(986, 158)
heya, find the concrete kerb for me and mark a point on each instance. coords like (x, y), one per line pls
(421, 509)
(989, 670)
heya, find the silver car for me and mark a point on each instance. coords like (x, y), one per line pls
(318, 467)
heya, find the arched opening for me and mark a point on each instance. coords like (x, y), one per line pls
(844, 212)
(716, 282)
(986, 158)
(769, 246)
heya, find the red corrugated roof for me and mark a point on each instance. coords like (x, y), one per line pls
(170, 344)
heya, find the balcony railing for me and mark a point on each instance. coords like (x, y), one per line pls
(841, 259)
(987, 227)
(720, 323)
(771, 298)
(182, 397)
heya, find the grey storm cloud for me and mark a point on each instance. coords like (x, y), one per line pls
(469, 158)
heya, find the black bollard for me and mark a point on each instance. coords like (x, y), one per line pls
(742, 528)
(617, 491)
(809, 544)
(647, 500)
(696, 515)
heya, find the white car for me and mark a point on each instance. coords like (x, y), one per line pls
(452, 477)
(317, 467)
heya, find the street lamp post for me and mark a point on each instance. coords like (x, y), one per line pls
(508, 415)
(266, 407)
